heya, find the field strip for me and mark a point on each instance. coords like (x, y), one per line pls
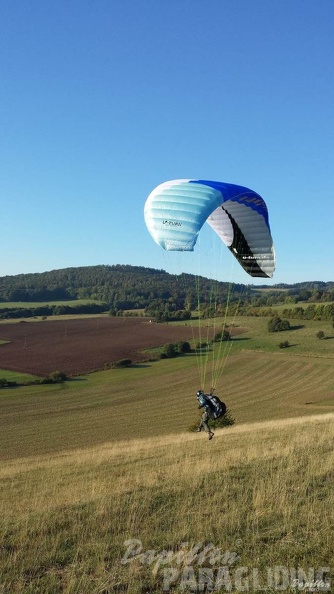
(137, 447)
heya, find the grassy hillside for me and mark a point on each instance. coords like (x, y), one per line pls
(256, 503)
(106, 458)
(159, 398)
(258, 382)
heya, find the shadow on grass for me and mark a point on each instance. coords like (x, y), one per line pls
(140, 365)
(76, 379)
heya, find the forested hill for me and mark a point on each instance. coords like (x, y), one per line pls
(136, 287)
(119, 286)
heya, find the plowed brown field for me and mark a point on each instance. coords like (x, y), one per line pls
(81, 345)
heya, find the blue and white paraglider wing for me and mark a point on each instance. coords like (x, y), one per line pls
(176, 211)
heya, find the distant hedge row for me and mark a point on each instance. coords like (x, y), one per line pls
(313, 311)
(52, 310)
(56, 377)
(171, 349)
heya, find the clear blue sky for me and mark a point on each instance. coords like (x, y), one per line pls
(100, 101)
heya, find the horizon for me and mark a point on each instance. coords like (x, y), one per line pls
(263, 284)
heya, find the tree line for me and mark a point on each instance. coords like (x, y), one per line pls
(309, 312)
(51, 310)
(162, 295)
(120, 287)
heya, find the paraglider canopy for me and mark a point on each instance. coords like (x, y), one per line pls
(176, 211)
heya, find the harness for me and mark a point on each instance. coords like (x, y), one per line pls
(216, 407)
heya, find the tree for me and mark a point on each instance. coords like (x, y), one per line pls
(58, 376)
(169, 350)
(184, 347)
(275, 324)
(59, 310)
(223, 335)
(320, 335)
(122, 363)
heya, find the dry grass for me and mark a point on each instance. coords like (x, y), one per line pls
(263, 491)
(91, 463)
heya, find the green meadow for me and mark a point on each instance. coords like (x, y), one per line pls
(105, 490)
(302, 336)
